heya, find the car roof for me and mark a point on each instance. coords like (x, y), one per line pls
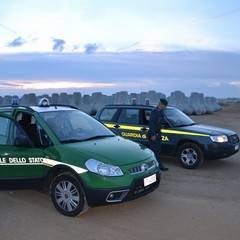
(51, 108)
(43, 106)
(139, 106)
(129, 105)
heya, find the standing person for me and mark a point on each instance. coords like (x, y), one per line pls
(155, 124)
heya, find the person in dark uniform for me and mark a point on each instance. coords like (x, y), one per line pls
(155, 124)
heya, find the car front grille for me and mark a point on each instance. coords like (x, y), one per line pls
(139, 189)
(234, 139)
(142, 168)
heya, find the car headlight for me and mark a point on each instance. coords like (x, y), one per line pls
(219, 139)
(103, 169)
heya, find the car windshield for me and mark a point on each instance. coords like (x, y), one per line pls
(75, 126)
(177, 118)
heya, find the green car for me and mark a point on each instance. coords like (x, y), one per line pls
(71, 156)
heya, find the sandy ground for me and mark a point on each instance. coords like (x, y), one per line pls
(189, 204)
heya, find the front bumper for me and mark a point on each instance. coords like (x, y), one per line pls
(216, 150)
(100, 197)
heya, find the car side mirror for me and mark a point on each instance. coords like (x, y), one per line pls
(22, 141)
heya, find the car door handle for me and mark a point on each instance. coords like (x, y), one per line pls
(116, 126)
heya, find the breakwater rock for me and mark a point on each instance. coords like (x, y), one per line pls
(195, 104)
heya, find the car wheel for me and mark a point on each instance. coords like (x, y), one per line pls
(190, 155)
(67, 195)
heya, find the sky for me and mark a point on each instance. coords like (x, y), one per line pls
(120, 45)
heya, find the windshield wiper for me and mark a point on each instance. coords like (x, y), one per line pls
(98, 136)
(71, 140)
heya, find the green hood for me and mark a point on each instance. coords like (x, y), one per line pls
(112, 150)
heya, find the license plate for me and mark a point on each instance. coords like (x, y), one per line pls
(149, 180)
(237, 147)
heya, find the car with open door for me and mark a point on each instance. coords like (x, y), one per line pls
(71, 156)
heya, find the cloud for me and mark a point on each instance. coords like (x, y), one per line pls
(18, 87)
(7, 85)
(235, 83)
(211, 73)
(76, 47)
(58, 44)
(90, 48)
(63, 85)
(17, 42)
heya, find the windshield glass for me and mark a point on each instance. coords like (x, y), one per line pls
(74, 126)
(177, 118)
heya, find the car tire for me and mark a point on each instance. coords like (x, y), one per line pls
(190, 155)
(68, 196)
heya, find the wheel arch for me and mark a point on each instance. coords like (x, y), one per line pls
(67, 192)
(57, 170)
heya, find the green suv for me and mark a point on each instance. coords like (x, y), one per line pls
(71, 156)
(182, 138)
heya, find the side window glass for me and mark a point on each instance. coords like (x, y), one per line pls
(129, 116)
(146, 116)
(108, 114)
(33, 129)
(28, 123)
(43, 138)
(8, 131)
(4, 123)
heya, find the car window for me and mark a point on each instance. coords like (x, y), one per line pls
(33, 129)
(129, 115)
(146, 116)
(4, 122)
(42, 137)
(177, 117)
(28, 123)
(73, 125)
(8, 131)
(108, 114)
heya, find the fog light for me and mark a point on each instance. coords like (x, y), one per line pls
(111, 196)
(116, 196)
